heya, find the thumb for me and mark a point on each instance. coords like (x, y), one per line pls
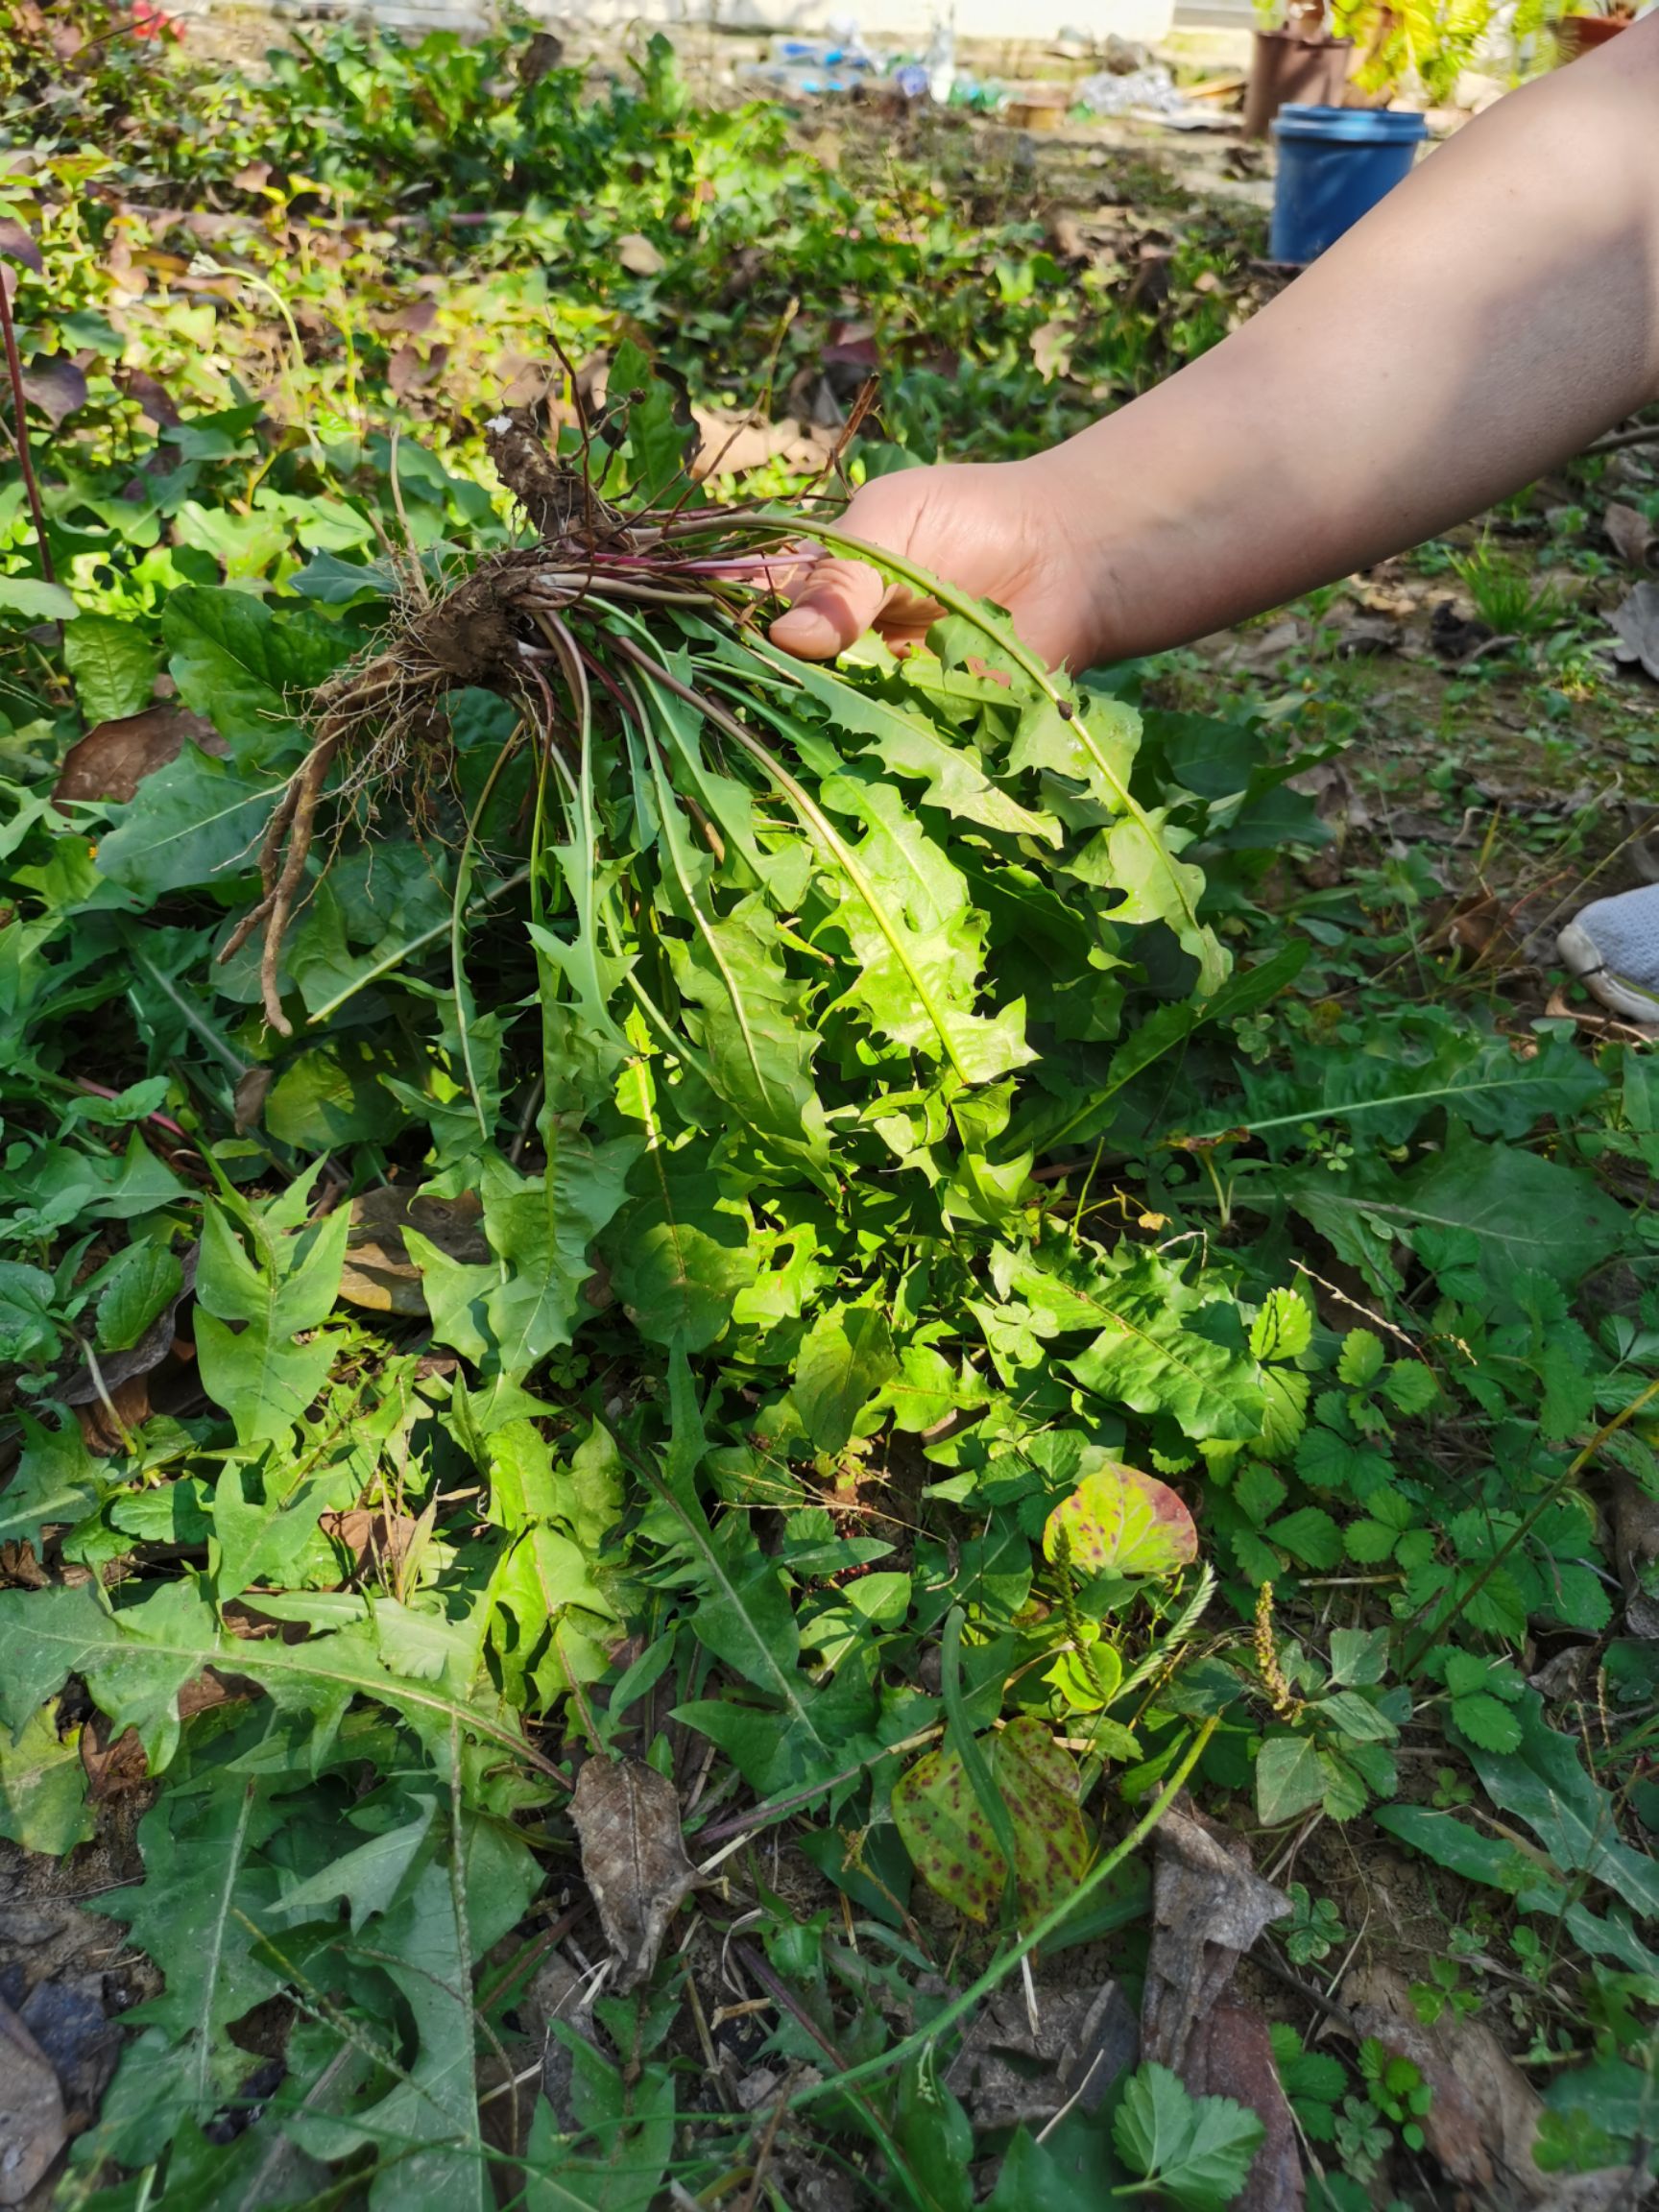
(836, 604)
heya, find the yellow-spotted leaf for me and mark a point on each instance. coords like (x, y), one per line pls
(1120, 1521)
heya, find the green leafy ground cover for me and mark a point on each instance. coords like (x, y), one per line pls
(887, 1256)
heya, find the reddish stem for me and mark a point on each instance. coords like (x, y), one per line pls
(161, 1121)
(15, 370)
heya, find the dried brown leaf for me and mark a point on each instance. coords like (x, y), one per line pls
(1630, 534)
(380, 1274)
(18, 245)
(1011, 2073)
(1208, 1907)
(248, 1099)
(107, 1423)
(112, 760)
(55, 385)
(31, 2126)
(639, 256)
(1231, 2055)
(1483, 2119)
(1636, 622)
(634, 1859)
(117, 1369)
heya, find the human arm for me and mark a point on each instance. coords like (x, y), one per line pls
(1478, 327)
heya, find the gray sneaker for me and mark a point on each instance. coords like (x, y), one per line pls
(1613, 948)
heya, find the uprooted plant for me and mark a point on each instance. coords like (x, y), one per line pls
(624, 639)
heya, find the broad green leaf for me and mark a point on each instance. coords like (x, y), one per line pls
(1525, 1213)
(1120, 1521)
(934, 2136)
(142, 1281)
(369, 1877)
(198, 1912)
(615, 2158)
(845, 1359)
(752, 1028)
(135, 1660)
(948, 1836)
(113, 665)
(43, 1786)
(1546, 1784)
(1284, 1326)
(29, 1334)
(681, 1254)
(743, 1615)
(1360, 1362)
(1289, 1779)
(910, 746)
(33, 601)
(1141, 1355)
(198, 820)
(247, 668)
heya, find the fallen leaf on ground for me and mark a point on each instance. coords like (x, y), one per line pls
(732, 444)
(31, 2128)
(639, 256)
(1009, 2071)
(107, 1423)
(1635, 1551)
(1630, 534)
(112, 760)
(378, 1272)
(371, 1536)
(16, 243)
(1231, 2055)
(73, 2032)
(1208, 1907)
(117, 1369)
(248, 1100)
(1483, 2118)
(1635, 622)
(1360, 634)
(634, 1859)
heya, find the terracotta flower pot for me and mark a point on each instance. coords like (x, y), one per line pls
(1576, 34)
(1289, 66)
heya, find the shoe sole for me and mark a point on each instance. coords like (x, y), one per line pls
(1577, 951)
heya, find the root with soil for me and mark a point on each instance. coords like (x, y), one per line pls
(514, 617)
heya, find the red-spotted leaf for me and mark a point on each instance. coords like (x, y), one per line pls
(1121, 1520)
(942, 1826)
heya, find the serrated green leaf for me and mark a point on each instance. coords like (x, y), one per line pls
(1360, 1361)
(918, 946)
(1487, 1722)
(1199, 2150)
(1282, 1328)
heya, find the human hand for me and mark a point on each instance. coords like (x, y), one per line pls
(996, 529)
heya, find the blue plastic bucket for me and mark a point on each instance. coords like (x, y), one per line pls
(1334, 164)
